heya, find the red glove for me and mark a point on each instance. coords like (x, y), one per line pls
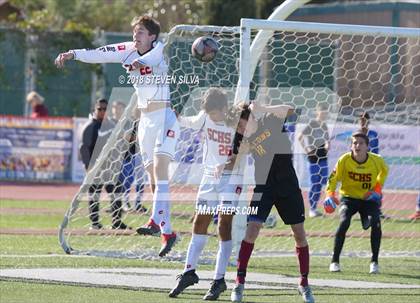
(330, 204)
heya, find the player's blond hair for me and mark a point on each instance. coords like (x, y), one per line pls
(33, 95)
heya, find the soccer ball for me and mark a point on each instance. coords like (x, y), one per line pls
(204, 49)
(271, 221)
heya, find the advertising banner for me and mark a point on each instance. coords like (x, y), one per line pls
(35, 149)
(399, 145)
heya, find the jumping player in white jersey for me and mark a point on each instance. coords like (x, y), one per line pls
(158, 128)
(219, 191)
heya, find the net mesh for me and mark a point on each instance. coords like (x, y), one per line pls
(348, 74)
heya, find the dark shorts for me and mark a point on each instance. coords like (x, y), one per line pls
(289, 206)
(350, 206)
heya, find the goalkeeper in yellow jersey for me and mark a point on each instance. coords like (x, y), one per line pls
(362, 175)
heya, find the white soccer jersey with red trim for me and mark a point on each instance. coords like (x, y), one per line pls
(149, 81)
(218, 140)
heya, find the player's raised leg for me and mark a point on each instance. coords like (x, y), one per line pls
(164, 152)
(161, 203)
(158, 134)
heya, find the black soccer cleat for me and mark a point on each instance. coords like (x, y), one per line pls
(140, 209)
(120, 225)
(149, 229)
(96, 226)
(216, 288)
(184, 280)
(168, 241)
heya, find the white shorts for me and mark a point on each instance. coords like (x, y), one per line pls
(223, 192)
(158, 134)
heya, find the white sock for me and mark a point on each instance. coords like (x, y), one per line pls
(222, 260)
(159, 198)
(195, 248)
(165, 224)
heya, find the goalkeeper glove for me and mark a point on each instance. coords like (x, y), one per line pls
(330, 204)
(374, 195)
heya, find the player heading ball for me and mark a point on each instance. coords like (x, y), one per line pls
(158, 130)
(276, 185)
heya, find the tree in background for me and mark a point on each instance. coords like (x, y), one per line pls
(266, 7)
(222, 12)
(112, 15)
(115, 15)
(46, 26)
(54, 25)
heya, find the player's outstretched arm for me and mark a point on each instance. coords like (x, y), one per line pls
(195, 122)
(281, 111)
(113, 53)
(62, 58)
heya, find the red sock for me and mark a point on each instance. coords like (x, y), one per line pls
(302, 254)
(244, 255)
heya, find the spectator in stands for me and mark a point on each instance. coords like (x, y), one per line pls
(36, 101)
(94, 137)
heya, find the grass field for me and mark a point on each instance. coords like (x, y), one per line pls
(40, 250)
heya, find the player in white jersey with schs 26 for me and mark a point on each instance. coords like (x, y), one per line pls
(218, 192)
(158, 128)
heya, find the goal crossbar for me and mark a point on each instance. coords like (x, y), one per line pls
(331, 28)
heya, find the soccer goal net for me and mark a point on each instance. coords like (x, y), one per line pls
(346, 69)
